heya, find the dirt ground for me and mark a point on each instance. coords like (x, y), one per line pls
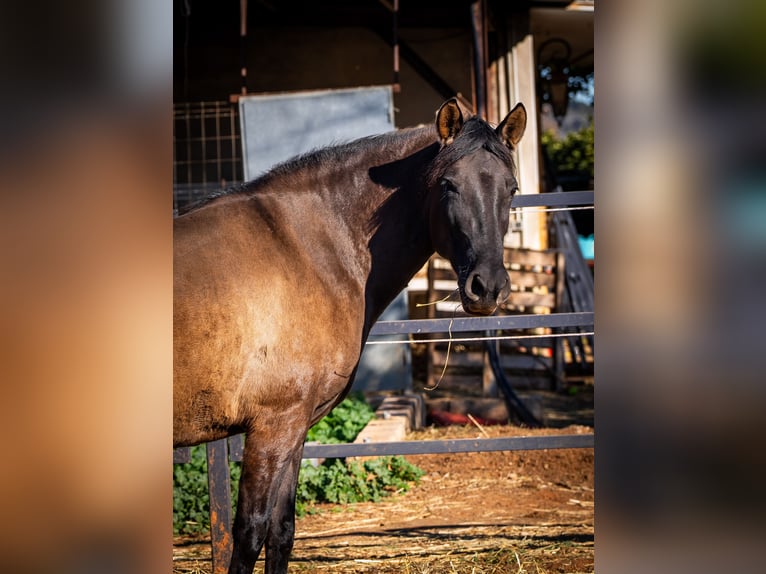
(473, 513)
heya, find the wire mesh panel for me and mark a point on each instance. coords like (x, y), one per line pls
(207, 154)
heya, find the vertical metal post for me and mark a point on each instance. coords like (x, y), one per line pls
(397, 86)
(479, 57)
(219, 489)
(431, 377)
(558, 343)
(243, 44)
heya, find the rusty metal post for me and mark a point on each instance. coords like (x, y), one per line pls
(219, 489)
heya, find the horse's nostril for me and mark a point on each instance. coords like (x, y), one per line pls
(503, 281)
(473, 287)
(503, 287)
(478, 287)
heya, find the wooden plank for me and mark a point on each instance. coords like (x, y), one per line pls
(529, 299)
(466, 359)
(522, 78)
(439, 263)
(530, 258)
(529, 270)
(530, 279)
(475, 361)
(526, 363)
(443, 275)
(444, 286)
(468, 384)
(219, 488)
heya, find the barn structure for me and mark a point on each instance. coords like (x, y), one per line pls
(234, 56)
(489, 53)
(484, 51)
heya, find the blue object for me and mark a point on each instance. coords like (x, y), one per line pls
(586, 246)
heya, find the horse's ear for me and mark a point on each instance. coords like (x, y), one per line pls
(512, 127)
(449, 121)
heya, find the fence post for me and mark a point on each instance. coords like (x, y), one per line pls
(219, 488)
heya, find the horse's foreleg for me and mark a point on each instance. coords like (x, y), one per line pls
(281, 534)
(270, 468)
(253, 508)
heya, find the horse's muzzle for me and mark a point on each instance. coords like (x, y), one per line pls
(484, 290)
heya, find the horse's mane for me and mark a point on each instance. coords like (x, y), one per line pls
(210, 197)
(317, 159)
(476, 134)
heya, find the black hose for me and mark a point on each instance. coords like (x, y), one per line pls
(517, 410)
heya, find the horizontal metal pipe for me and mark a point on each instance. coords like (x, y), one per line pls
(429, 446)
(553, 199)
(448, 446)
(492, 323)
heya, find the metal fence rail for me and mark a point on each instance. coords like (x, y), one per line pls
(448, 446)
(492, 323)
(554, 199)
(412, 447)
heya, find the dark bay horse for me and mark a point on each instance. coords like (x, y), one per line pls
(277, 284)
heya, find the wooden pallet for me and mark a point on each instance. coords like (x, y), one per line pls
(537, 280)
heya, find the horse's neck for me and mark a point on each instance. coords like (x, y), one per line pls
(377, 192)
(394, 220)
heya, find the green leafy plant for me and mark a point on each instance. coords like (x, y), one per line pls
(191, 503)
(336, 481)
(574, 154)
(333, 481)
(343, 423)
(190, 495)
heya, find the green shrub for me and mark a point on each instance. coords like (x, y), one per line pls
(333, 481)
(574, 154)
(339, 482)
(343, 423)
(191, 502)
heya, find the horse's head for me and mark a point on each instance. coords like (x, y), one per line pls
(471, 183)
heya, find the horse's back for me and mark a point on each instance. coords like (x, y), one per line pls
(257, 325)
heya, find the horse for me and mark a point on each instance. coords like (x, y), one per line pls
(278, 282)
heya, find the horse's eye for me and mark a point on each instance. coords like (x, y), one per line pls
(448, 187)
